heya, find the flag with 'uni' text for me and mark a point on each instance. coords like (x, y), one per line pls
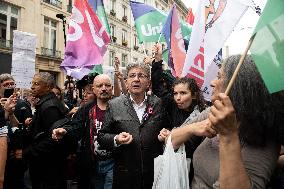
(149, 22)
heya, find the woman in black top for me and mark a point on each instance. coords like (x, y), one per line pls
(181, 97)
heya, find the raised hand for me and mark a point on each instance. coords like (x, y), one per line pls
(10, 103)
(157, 52)
(116, 63)
(147, 60)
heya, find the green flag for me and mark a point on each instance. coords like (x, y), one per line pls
(268, 46)
(98, 69)
(165, 55)
(185, 29)
(149, 27)
(98, 7)
(149, 22)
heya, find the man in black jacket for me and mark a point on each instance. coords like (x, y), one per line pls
(131, 128)
(46, 157)
(95, 164)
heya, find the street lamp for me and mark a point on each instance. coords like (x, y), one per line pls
(63, 18)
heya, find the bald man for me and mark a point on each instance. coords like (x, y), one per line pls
(96, 165)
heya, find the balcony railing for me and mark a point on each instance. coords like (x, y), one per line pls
(69, 8)
(113, 39)
(124, 18)
(56, 3)
(50, 52)
(112, 12)
(6, 44)
(124, 43)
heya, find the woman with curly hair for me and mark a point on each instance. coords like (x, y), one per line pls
(182, 97)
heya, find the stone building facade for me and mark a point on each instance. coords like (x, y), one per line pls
(39, 17)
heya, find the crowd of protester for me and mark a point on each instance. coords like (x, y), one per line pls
(101, 134)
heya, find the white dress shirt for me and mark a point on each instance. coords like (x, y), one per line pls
(139, 108)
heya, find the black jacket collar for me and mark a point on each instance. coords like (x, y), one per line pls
(45, 98)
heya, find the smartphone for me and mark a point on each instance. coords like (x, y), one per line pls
(8, 93)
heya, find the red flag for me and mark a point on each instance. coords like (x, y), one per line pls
(172, 32)
(190, 17)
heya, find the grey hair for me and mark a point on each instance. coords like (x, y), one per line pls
(145, 67)
(5, 77)
(47, 78)
(251, 100)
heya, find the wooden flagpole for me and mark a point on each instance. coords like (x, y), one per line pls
(239, 65)
(143, 44)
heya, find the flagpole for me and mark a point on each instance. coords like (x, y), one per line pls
(131, 42)
(143, 45)
(159, 37)
(241, 61)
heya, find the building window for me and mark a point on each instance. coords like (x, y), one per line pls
(3, 26)
(135, 40)
(49, 39)
(124, 10)
(124, 17)
(69, 6)
(124, 60)
(49, 34)
(124, 36)
(112, 5)
(136, 47)
(112, 30)
(111, 58)
(56, 3)
(9, 16)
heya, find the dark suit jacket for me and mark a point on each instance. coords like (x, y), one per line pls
(45, 156)
(134, 163)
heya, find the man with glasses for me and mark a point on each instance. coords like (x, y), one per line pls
(131, 127)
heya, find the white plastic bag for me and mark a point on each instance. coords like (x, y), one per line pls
(171, 168)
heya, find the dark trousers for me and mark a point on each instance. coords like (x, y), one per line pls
(48, 176)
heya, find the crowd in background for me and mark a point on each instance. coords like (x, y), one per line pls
(99, 133)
